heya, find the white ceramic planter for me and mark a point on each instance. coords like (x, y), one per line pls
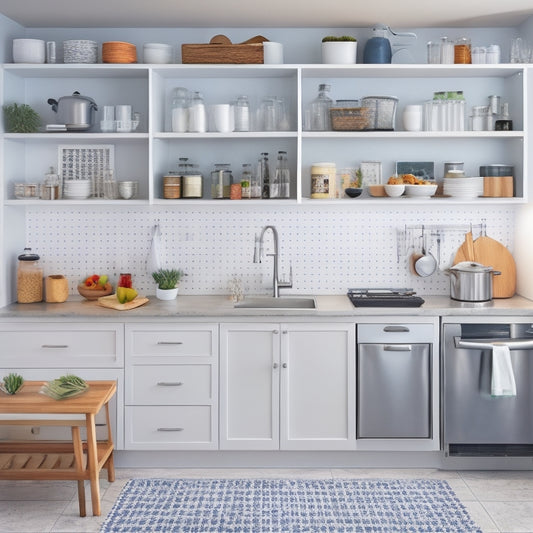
(166, 294)
(339, 52)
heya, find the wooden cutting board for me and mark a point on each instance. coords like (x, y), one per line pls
(490, 252)
(466, 250)
(111, 302)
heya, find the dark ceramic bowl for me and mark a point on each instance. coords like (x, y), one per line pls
(353, 193)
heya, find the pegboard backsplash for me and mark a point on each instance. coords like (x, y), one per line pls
(331, 248)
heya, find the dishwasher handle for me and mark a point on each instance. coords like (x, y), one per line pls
(488, 344)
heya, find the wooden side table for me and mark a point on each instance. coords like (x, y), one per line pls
(50, 460)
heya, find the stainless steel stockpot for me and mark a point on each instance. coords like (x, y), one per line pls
(471, 282)
(76, 111)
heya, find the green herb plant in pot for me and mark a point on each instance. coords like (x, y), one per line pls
(167, 282)
(21, 119)
(339, 50)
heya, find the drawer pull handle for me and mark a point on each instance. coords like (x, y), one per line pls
(169, 383)
(396, 329)
(169, 429)
(165, 343)
(54, 346)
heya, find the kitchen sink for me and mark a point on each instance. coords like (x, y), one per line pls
(266, 302)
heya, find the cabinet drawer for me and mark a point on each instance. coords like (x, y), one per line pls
(50, 345)
(172, 341)
(395, 332)
(170, 384)
(166, 428)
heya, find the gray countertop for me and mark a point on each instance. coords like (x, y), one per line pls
(221, 307)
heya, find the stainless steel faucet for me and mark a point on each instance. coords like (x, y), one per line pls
(277, 284)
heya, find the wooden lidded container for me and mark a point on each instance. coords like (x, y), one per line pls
(56, 288)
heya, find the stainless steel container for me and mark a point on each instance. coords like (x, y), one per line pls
(471, 282)
(76, 112)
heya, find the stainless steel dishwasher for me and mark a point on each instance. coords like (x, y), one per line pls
(394, 368)
(476, 423)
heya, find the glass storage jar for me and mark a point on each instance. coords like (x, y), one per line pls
(221, 180)
(29, 278)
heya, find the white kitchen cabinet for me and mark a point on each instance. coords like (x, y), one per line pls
(287, 386)
(171, 387)
(147, 155)
(48, 350)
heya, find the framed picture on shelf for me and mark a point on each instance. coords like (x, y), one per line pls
(424, 170)
(371, 172)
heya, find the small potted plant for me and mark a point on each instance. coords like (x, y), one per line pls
(21, 118)
(339, 50)
(167, 282)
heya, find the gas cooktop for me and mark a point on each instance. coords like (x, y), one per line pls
(384, 298)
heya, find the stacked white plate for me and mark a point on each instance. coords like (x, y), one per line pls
(77, 189)
(470, 187)
(157, 53)
(80, 51)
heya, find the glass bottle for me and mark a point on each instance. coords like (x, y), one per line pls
(50, 189)
(504, 123)
(264, 173)
(256, 183)
(29, 278)
(462, 51)
(221, 180)
(283, 175)
(246, 181)
(242, 114)
(319, 109)
(180, 110)
(197, 114)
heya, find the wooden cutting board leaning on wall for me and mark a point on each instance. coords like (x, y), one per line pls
(490, 252)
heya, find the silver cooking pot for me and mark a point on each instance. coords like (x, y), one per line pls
(471, 282)
(76, 112)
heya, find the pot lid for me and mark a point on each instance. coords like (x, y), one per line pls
(77, 96)
(471, 266)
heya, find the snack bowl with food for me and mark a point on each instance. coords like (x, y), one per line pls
(420, 191)
(394, 190)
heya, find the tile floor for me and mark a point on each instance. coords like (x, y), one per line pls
(499, 501)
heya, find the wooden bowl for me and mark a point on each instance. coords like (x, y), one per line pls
(94, 294)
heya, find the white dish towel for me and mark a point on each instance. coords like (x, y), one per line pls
(503, 382)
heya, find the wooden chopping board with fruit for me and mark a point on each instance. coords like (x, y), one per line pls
(490, 252)
(112, 302)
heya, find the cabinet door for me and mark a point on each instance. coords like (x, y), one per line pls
(249, 386)
(318, 386)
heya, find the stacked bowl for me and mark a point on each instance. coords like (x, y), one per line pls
(77, 189)
(80, 51)
(119, 52)
(28, 51)
(157, 53)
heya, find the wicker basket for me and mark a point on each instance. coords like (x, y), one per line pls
(351, 118)
(384, 108)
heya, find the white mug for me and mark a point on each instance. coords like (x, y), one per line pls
(223, 118)
(272, 53)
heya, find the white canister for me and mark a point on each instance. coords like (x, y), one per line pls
(323, 178)
(413, 117)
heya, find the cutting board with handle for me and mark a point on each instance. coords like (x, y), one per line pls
(466, 250)
(490, 252)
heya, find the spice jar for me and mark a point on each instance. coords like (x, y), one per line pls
(124, 280)
(172, 185)
(463, 51)
(29, 278)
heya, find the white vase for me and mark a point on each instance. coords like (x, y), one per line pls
(339, 52)
(166, 294)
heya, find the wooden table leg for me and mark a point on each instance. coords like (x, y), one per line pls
(92, 458)
(110, 463)
(78, 456)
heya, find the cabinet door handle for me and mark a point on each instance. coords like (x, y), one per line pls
(275, 365)
(169, 383)
(284, 365)
(398, 348)
(396, 329)
(169, 429)
(54, 346)
(276, 331)
(165, 343)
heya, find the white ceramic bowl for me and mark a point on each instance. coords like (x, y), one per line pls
(421, 191)
(29, 51)
(157, 53)
(394, 190)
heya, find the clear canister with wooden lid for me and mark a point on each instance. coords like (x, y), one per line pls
(29, 278)
(463, 51)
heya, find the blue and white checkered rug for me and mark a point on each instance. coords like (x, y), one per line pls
(288, 506)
